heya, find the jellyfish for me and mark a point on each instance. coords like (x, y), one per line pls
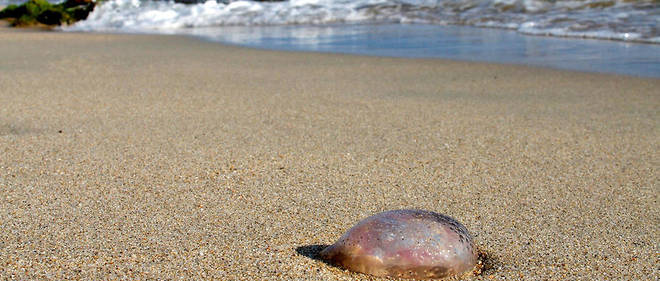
(414, 244)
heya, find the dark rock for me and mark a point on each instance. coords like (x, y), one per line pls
(76, 3)
(13, 11)
(50, 17)
(36, 12)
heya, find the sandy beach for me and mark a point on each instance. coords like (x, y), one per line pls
(167, 157)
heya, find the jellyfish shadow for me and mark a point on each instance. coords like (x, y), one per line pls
(312, 252)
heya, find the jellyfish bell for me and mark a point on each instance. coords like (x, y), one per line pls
(406, 244)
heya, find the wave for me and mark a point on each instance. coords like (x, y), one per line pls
(603, 19)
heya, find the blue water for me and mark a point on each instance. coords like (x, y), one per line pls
(449, 42)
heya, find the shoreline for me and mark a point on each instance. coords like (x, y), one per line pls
(455, 60)
(448, 42)
(147, 156)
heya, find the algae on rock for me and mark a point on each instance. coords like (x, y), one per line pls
(35, 12)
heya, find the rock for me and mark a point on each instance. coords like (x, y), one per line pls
(35, 12)
(50, 17)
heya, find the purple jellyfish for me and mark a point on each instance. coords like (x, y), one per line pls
(406, 244)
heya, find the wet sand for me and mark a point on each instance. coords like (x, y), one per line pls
(130, 156)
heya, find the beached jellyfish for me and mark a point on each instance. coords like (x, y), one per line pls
(405, 243)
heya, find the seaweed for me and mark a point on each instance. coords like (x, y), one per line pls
(41, 12)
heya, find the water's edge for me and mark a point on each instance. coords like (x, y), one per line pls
(462, 43)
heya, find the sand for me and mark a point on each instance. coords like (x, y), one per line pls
(133, 156)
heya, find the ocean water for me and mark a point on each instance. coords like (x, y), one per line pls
(616, 36)
(448, 42)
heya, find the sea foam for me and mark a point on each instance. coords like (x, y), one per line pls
(604, 19)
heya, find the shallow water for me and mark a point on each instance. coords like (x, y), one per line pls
(449, 42)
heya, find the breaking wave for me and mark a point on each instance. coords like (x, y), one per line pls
(603, 19)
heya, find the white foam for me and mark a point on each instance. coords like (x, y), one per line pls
(621, 20)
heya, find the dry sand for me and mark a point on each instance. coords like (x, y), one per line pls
(126, 156)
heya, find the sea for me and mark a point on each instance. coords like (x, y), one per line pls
(609, 36)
